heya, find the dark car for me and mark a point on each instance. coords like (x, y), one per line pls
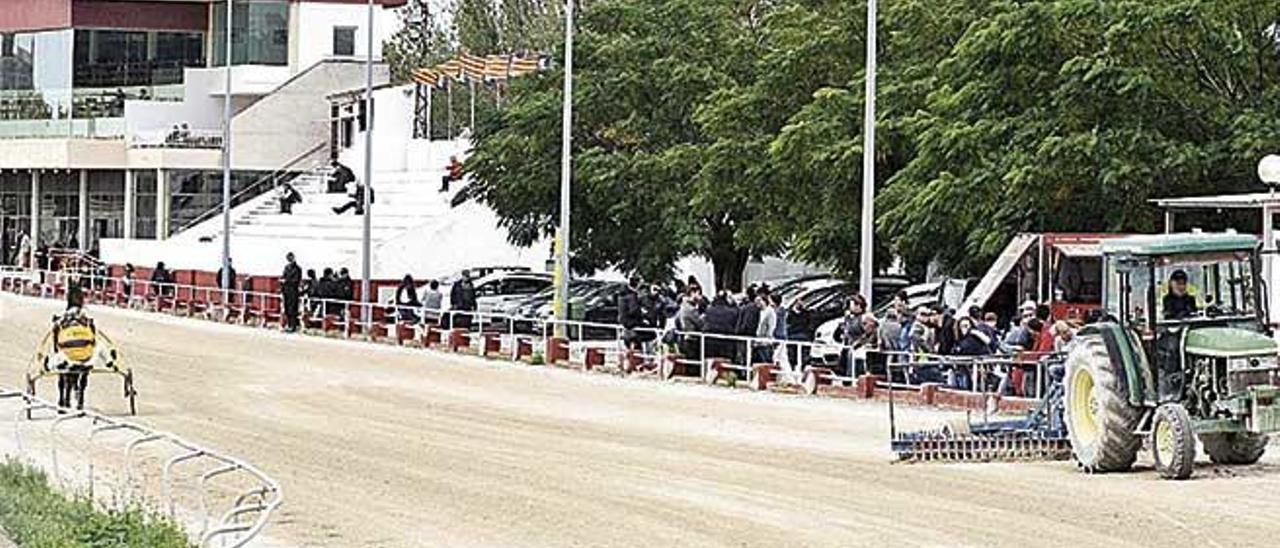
(823, 301)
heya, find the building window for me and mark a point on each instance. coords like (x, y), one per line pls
(344, 41)
(259, 33)
(114, 65)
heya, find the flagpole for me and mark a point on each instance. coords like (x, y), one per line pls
(226, 164)
(471, 83)
(430, 92)
(449, 89)
(867, 258)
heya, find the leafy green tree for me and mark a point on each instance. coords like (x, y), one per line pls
(650, 184)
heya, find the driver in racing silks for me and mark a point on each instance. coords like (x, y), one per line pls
(74, 339)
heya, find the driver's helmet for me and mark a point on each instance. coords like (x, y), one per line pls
(75, 336)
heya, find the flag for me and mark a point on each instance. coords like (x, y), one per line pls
(426, 77)
(521, 66)
(496, 67)
(472, 67)
(449, 70)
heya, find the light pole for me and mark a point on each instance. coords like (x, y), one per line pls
(366, 250)
(226, 163)
(1269, 173)
(867, 268)
(562, 240)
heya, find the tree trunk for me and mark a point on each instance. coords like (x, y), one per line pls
(729, 263)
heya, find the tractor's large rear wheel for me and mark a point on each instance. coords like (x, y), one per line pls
(1234, 448)
(1100, 421)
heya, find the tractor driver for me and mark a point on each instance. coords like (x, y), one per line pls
(1178, 304)
(75, 339)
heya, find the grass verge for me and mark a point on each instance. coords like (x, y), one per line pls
(36, 516)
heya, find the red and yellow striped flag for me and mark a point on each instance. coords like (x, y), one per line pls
(521, 66)
(496, 66)
(472, 66)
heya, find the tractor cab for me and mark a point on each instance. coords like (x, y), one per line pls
(1158, 285)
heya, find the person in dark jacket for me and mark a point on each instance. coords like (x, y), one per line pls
(161, 281)
(945, 328)
(339, 177)
(346, 289)
(721, 319)
(407, 303)
(290, 284)
(462, 299)
(631, 314)
(747, 322)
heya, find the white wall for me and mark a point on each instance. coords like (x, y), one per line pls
(392, 133)
(313, 35)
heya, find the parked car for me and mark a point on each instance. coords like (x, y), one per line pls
(497, 291)
(817, 302)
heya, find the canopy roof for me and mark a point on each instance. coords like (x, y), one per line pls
(1172, 244)
(1253, 200)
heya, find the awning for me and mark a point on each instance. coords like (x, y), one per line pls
(1080, 250)
(1000, 270)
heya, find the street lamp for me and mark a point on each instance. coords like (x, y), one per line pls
(366, 250)
(562, 240)
(226, 163)
(867, 268)
(1269, 171)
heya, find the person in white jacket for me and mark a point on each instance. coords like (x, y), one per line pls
(764, 329)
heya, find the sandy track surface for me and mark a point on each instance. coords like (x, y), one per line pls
(378, 446)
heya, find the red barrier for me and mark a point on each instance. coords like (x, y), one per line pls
(557, 350)
(594, 358)
(492, 344)
(459, 339)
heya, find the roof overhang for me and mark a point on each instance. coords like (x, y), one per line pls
(1254, 200)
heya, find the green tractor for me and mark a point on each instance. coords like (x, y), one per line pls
(1183, 352)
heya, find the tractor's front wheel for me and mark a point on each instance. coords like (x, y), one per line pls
(1234, 448)
(1173, 442)
(1100, 421)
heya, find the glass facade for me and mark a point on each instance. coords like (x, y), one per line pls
(260, 33)
(114, 65)
(144, 205)
(192, 193)
(74, 82)
(106, 206)
(35, 76)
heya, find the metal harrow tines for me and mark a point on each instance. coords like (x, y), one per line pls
(1001, 447)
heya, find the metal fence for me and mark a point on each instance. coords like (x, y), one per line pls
(713, 357)
(223, 501)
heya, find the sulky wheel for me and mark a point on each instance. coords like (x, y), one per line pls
(1234, 447)
(1100, 421)
(131, 393)
(1173, 442)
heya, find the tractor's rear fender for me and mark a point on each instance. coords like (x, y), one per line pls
(1128, 360)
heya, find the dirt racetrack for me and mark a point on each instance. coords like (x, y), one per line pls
(379, 446)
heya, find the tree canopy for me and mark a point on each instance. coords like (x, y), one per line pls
(732, 128)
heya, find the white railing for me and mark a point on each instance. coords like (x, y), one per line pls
(229, 502)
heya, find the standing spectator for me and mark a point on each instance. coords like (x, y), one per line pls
(1064, 338)
(851, 332)
(630, 314)
(765, 329)
(891, 331)
(462, 299)
(747, 324)
(971, 341)
(453, 173)
(308, 291)
(1044, 341)
(339, 177)
(721, 319)
(290, 284)
(988, 326)
(407, 300)
(325, 291)
(690, 322)
(346, 288)
(1020, 337)
(432, 301)
(944, 326)
(126, 283)
(287, 196)
(161, 281)
(228, 283)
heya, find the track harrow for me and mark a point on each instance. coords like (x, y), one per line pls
(1001, 444)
